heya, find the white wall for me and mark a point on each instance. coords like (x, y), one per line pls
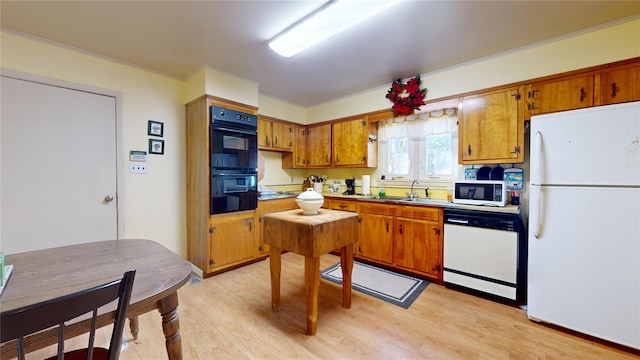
(617, 42)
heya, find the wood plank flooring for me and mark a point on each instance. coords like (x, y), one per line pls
(229, 316)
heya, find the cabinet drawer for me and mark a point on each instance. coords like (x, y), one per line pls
(375, 209)
(424, 213)
(342, 205)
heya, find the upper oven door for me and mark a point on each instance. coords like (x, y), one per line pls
(234, 148)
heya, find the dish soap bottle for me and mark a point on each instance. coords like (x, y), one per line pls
(381, 187)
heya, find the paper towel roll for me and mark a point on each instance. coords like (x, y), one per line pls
(366, 185)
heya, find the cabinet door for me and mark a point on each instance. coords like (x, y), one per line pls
(319, 145)
(417, 245)
(349, 142)
(266, 207)
(264, 133)
(375, 237)
(491, 128)
(231, 241)
(299, 148)
(620, 86)
(282, 136)
(560, 95)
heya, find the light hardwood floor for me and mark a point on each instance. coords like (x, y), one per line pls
(229, 316)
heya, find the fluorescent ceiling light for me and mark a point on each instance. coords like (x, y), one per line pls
(331, 19)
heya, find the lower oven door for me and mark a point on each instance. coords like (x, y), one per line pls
(481, 259)
(233, 192)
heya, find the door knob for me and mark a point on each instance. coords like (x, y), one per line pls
(108, 199)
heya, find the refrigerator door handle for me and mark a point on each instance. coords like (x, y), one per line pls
(538, 221)
(537, 181)
(537, 149)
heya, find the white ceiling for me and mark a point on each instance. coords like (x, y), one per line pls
(413, 37)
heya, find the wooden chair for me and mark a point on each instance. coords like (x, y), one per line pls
(18, 323)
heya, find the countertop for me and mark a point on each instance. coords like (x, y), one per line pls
(508, 209)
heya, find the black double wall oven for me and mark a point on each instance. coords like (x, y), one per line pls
(234, 160)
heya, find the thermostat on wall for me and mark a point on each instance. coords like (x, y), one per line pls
(136, 155)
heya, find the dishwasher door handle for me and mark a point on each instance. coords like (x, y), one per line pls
(458, 221)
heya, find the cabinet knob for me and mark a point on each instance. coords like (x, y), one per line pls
(614, 89)
(583, 94)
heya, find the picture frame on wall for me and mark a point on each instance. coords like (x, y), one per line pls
(155, 128)
(156, 146)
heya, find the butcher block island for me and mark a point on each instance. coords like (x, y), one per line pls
(311, 236)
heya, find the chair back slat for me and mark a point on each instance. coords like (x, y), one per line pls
(21, 322)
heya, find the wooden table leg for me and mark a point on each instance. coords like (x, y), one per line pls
(311, 286)
(275, 266)
(171, 326)
(346, 263)
(134, 327)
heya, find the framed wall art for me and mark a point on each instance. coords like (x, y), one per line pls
(155, 128)
(156, 146)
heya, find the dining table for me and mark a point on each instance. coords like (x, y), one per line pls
(45, 274)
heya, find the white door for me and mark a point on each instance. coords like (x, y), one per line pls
(58, 166)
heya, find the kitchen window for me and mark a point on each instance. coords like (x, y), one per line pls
(422, 146)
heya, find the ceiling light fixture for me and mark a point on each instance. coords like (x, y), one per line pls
(329, 20)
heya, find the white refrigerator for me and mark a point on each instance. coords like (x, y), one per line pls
(584, 222)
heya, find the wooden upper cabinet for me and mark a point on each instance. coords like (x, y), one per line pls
(274, 135)
(560, 95)
(282, 135)
(319, 145)
(491, 127)
(296, 159)
(350, 142)
(264, 133)
(621, 85)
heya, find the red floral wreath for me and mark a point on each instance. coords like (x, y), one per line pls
(406, 98)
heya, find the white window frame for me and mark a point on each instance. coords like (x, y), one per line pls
(417, 147)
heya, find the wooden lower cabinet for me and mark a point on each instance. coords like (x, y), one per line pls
(266, 207)
(418, 239)
(232, 240)
(344, 205)
(375, 235)
(417, 246)
(407, 238)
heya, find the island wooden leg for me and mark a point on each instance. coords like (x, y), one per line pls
(275, 266)
(134, 327)
(346, 263)
(311, 286)
(171, 326)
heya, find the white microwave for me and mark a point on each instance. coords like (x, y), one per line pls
(480, 192)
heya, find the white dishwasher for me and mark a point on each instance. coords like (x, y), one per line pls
(485, 252)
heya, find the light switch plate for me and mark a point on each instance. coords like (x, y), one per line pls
(137, 168)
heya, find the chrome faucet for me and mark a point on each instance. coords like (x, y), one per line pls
(412, 195)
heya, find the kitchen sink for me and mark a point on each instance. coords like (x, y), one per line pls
(420, 201)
